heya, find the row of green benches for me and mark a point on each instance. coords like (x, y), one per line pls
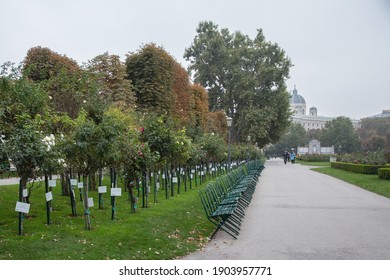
(225, 199)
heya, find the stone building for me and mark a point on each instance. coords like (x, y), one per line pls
(312, 120)
(315, 148)
(384, 114)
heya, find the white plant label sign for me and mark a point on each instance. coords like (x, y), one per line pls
(73, 182)
(90, 202)
(22, 207)
(116, 192)
(102, 189)
(49, 196)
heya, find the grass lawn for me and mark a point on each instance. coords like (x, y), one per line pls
(171, 228)
(369, 182)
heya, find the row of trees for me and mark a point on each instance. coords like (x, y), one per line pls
(57, 116)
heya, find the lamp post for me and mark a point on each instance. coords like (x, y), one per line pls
(249, 141)
(229, 121)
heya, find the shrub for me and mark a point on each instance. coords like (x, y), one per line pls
(357, 168)
(384, 173)
(314, 158)
(375, 158)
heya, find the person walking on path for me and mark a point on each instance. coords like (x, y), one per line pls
(285, 156)
(292, 157)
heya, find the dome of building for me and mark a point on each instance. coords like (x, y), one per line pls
(296, 98)
(313, 111)
(297, 103)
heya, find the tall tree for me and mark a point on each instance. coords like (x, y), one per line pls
(151, 71)
(245, 78)
(216, 123)
(295, 136)
(41, 64)
(375, 134)
(184, 100)
(199, 110)
(340, 133)
(110, 74)
(61, 77)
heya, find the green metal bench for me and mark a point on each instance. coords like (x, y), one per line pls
(225, 199)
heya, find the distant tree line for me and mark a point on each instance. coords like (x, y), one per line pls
(372, 136)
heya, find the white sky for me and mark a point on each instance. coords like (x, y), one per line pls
(340, 48)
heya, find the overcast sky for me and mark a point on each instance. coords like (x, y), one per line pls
(340, 48)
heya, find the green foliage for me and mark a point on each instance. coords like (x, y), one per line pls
(384, 173)
(160, 134)
(199, 111)
(25, 147)
(114, 132)
(42, 64)
(339, 132)
(22, 118)
(245, 78)
(214, 147)
(295, 136)
(110, 75)
(156, 131)
(314, 158)
(357, 168)
(173, 227)
(65, 93)
(216, 123)
(241, 152)
(378, 158)
(375, 134)
(150, 70)
(18, 97)
(81, 147)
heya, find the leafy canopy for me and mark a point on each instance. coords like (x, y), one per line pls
(244, 77)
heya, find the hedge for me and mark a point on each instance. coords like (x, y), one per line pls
(357, 168)
(384, 173)
(314, 158)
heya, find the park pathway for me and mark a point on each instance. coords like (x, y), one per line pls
(299, 214)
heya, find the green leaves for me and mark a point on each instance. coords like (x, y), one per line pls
(242, 76)
(151, 73)
(340, 133)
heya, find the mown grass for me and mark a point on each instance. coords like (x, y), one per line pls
(171, 228)
(368, 182)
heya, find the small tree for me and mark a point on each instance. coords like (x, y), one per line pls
(81, 150)
(23, 107)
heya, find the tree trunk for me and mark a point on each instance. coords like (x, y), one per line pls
(64, 184)
(48, 203)
(86, 206)
(133, 198)
(22, 186)
(93, 182)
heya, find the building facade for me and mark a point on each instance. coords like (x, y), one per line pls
(312, 120)
(315, 148)
(384, 114)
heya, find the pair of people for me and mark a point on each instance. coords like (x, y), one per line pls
(289, 157)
